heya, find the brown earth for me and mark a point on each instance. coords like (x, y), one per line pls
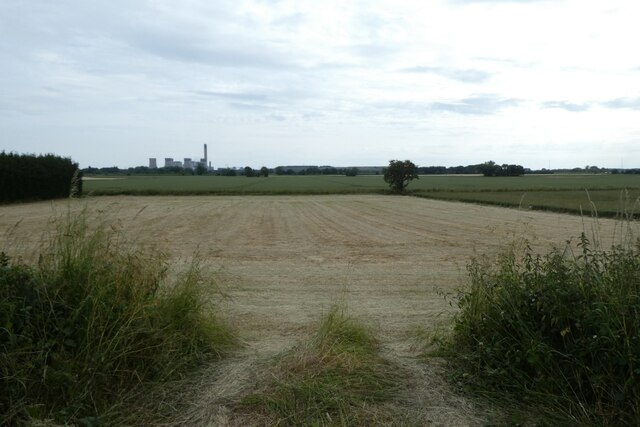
(284, 260)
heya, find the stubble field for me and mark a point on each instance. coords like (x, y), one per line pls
(283, 260)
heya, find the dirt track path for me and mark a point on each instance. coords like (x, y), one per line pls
(286, 259)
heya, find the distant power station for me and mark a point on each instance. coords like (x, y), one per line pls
(188, 163)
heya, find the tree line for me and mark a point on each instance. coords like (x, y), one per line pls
(145, 170)
(490, 168)
(30, 177)
(317, 170)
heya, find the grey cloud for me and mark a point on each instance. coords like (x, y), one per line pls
(313, 115)
(373, 50)
(463, 75)
(277, 117)
(569, 106)
(247, 106)
(187, 49)
(628, 103)
(476, 105)
(290, 21)
(231, 95)
(254, 100)
(495, 1)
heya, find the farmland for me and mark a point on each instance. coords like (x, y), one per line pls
(283, 260)
(609, 194)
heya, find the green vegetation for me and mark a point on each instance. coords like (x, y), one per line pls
(559, 332)
(232, 185)
(336, 378)
(94, 320)
(490, 168)
(610, 194)
(399, 174)
(362, 184)
(351, 172)
(29, 177)
(608, 203)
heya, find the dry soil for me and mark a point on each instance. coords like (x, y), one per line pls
(284, 260)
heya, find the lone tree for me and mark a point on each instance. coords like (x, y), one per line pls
(264, 171)
(399, 174)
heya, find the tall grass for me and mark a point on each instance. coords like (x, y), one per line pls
(94, 319)
(559, 331)
(336, 378)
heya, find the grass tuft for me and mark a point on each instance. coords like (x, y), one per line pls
(336, 378)
(92, 321)
(559, 332)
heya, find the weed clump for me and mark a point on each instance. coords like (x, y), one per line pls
(559, 331)
(93, 320)
(336, 378)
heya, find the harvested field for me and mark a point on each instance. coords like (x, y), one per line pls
(286, 259)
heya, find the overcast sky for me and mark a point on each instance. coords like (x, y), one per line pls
(440, 82)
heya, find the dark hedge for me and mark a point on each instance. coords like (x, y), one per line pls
(30, 177)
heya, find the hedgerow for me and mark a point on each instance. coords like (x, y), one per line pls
(93, 320)
(558, 330)
(30, 177)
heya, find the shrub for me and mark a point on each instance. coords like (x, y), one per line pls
(29, 177)
(559, 329)
(92, 321)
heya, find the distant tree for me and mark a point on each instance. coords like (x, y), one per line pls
(329, 170)
(399, 174)
(111, 170)
(490, 168)
(351, 172)
(91, 171)
(280, 170)
(264, 171)
(228, 172)
(140, 170)
(248, 172)
(200, 169)
(311, 170)
(513, 170)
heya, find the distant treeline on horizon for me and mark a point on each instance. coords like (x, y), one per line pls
(477, 169)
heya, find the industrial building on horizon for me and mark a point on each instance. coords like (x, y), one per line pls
(188, 163)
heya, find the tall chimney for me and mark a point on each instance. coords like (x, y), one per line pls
(205, 154)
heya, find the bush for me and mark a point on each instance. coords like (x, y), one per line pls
(92, 321)
(351, 172)
(559, 329)
(27, 177)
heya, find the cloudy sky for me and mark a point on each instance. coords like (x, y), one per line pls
(266, 82)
